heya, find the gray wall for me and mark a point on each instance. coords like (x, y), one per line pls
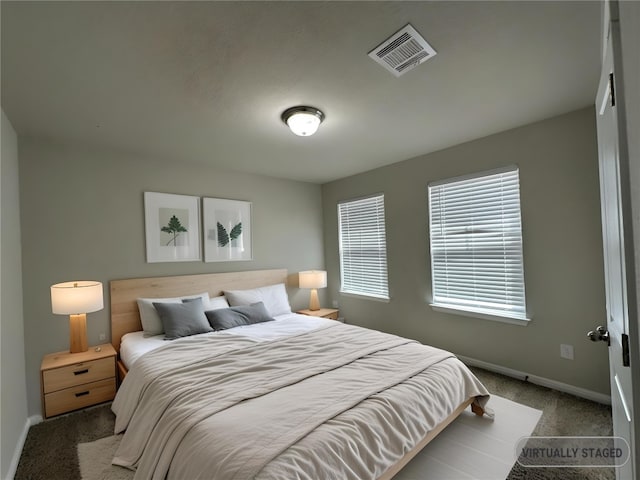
(13, 396)
(563, 262)
(83, 219)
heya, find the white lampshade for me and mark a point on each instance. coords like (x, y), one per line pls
(303, 121)
(312, 279)
(71, 298)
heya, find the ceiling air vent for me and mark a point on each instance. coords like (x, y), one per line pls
(403, 51)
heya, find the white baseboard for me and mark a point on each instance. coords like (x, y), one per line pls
(545, 382)
(33, 420)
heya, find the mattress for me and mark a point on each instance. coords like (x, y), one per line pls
(300, 397)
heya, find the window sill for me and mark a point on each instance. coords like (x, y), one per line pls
(366, 297)
(484, 316)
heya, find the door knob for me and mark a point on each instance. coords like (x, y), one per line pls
(599, 334)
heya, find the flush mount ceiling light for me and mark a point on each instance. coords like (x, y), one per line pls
(303, 121)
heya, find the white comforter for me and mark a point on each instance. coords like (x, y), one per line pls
(335, 402)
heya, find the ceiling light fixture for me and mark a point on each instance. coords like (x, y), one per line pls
(303, 121)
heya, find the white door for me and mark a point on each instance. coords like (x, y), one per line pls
(618, 246)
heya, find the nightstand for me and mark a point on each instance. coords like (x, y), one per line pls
(331, 313)
(77, 380)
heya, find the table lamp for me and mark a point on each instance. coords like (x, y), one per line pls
(76, 299)
(313, 279)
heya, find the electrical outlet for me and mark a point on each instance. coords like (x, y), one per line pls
(335, 304)
(566, 351)
(102, 336)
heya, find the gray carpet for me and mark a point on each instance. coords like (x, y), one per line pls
(49, 452)
(50, 449)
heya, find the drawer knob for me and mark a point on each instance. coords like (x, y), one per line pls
(82, 394)
(80, 372)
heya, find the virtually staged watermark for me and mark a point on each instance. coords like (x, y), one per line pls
(572, 452)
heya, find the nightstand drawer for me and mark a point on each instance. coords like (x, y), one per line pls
(78, 397)
(332, 315)
(78, 373)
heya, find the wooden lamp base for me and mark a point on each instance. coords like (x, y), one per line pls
(314, 303)
(78, 333)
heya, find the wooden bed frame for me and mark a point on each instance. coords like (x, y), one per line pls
(125, 318)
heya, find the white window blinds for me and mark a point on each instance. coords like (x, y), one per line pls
(363, 251)
(476, 244)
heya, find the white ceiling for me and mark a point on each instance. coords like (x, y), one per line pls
(207, 81)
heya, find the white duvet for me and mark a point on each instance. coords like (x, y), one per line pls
(336, 401)
(136, 344)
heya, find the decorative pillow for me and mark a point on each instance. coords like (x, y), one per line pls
(151, 323)
(274, 298)
(217, 302)
(224, 318)
(183, 319)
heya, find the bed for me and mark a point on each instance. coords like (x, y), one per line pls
(291, 397)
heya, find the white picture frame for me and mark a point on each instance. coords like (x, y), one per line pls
(172, 227)
(227, 230)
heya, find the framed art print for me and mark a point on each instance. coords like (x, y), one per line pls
(227, 230)
(172, 227)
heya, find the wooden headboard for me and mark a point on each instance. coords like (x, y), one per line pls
(124, 308)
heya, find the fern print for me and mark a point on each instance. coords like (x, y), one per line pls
(175, 228)
(223, 236)
(236, 231)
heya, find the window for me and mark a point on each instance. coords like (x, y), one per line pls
(476, 244)
(363, 251)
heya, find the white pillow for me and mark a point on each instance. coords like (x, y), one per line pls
(274, 298)
(215, 303)
(151, 323)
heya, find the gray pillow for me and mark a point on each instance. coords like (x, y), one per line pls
(182, 319)
(224, 318)
(274, 298)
